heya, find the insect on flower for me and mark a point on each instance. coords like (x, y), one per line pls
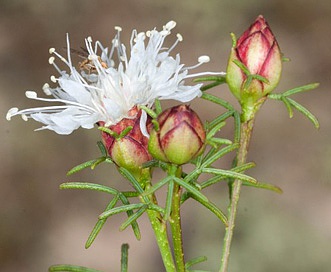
(87, 63)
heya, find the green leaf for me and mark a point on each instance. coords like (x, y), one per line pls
(210, 78)
(130, 194)
(230, 174)
(156, 125)
(151, 163)
(300, 89)
(260, 78)
(134, 225)
(120, 209)
(91, 163)
(212, 207)
(211, 85)
(109, 131)
(247, 82)
(237, 126)
(213, 180)
(242, 67)
(100, 223)
(125, 132)
(243, 167)
(132, 179)
(88, 186)
(195, 261)
(149, 111)
(215, 129)
(70, 268)
(219, 178)
(133, 218)
(305, 112)
(220, 119)
(157, 186)
(218, 155)
(124, 257)
(190, 189)
(156, 208)
(266, 186)
(216, 142)
(218, 101)
(158, 107)
(288, 106)
(102, 148)
(168, 204)
(192, 176)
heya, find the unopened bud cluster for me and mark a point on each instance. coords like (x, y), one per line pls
(178, 138)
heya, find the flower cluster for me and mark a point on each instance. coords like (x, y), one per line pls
(109, 83)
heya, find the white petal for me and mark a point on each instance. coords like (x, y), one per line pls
(76, 90)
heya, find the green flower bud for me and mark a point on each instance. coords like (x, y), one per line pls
(255, 64)
(130, 151)
(180, 136)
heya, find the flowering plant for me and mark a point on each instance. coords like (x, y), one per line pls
(120, 93)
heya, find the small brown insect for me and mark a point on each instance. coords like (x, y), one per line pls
(87, 64)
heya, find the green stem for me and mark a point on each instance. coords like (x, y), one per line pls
(160, 229)
(246, 128)
(175, 224)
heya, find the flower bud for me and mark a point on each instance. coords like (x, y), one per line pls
(131, 150)
(180, 136)
(255, 64)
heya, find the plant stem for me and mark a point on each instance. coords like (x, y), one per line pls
(246, 128)
(176, 229)
(160, 230)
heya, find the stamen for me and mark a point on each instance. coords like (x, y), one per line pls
(51, 50)
(68, 103)
(69, 63)
(201, 60)
(46, 89)
(51, 60)
(179, 39)
(11, 113)
(133, 37)
(118, 28)
(53, 79)
(31, 94)
(170, 25)
(164, 33)
(204, 59)
(206, 73)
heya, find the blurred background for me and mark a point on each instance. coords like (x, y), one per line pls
(41, 225)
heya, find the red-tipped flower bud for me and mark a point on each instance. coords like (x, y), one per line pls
(131, 150)
(180, 136)
(255, 63)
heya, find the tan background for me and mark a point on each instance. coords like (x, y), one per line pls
(41, 225)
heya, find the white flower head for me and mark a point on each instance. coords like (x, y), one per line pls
(101, 91)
